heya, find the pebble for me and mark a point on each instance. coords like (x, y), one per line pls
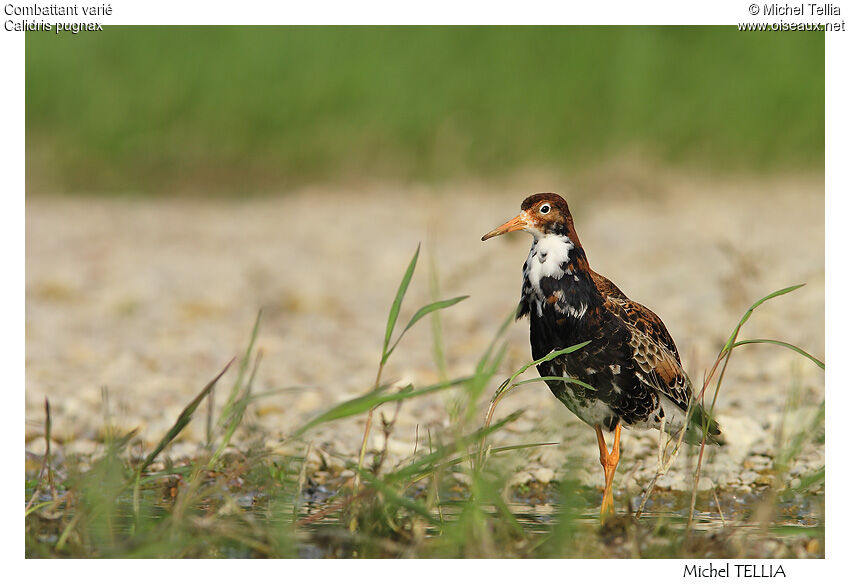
(543, 475)
(520, 478)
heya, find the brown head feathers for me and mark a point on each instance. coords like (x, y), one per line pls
(549, 213)
(552, 198)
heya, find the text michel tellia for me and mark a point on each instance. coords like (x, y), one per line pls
(728, 570)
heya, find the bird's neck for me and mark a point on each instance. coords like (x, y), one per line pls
(557, 284)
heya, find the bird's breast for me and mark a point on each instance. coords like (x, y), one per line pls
(549, 257)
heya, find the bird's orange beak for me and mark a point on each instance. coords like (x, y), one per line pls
(514, 224)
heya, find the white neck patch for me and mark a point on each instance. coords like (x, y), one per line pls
(547, 255)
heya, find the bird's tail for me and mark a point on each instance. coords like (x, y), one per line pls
(702, 423)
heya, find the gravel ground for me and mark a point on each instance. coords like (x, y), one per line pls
(150, 297)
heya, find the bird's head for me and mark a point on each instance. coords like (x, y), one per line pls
(541, 215)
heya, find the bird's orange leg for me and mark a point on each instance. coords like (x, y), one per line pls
(609, 461)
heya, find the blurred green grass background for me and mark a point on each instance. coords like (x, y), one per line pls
(237, 110)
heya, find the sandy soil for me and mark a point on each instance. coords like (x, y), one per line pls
(149, 298)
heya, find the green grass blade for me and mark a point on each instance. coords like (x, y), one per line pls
(485, 358)
(422, 312)
(372, 399)
(494, 495)
(814, 478)
(750, 310)
(182, 420)
(240, 376)
(438, 344)
(572, 380)
(238, 411)
(38, 506)
(796, 530)
(487, 366)
(393, 496)
(427, 464)
(509, 384)
(793, 448)
(794, 348)
(491, 452)
(396, 306)
(429, 308)
(521, 446)
(484, 373)
(256, 396)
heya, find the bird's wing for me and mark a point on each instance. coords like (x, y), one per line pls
(606, 287)
(654, 354)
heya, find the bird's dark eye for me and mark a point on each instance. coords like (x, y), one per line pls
(544, 209)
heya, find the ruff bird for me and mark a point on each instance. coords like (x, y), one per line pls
(631, 361)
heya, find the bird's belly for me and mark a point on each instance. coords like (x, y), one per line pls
(594, 412)
(584, 404)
